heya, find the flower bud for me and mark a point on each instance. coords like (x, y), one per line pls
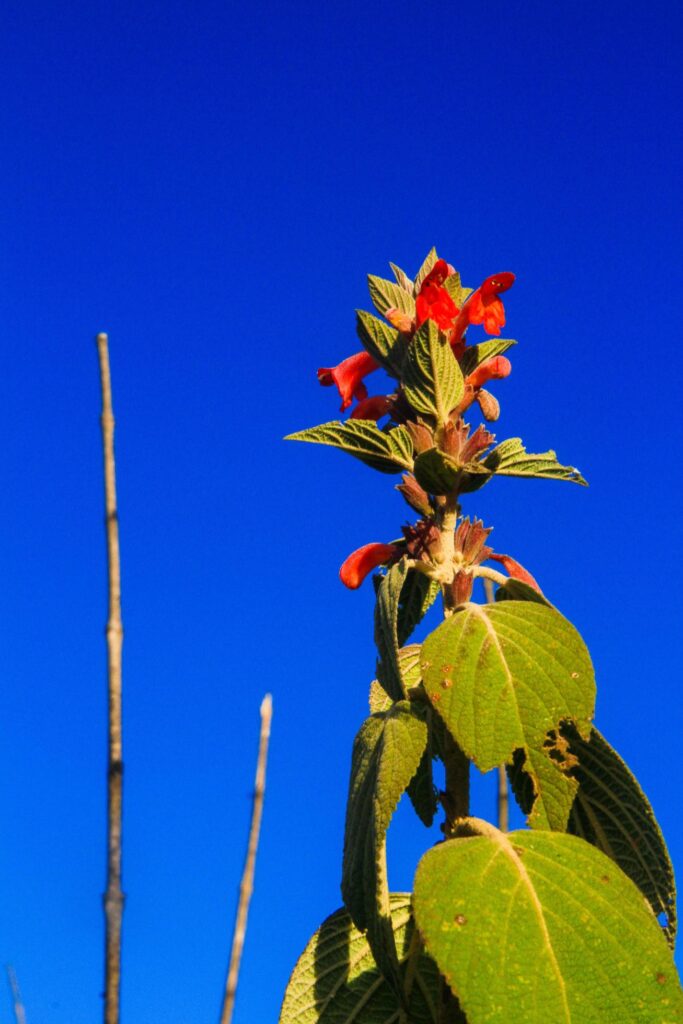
(364, 560)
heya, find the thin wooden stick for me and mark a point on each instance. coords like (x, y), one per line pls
(247, 883)
(113, 897)
(19, 1011)
(502, 798)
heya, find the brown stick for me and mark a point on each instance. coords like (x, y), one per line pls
(19, 1011)
(113, 897)
(247, 883)
(502, 798)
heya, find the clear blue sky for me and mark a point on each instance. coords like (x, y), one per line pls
(210, 183)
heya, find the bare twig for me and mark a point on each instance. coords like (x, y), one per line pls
(113, 897)
(19, 1011)
(502, 798)
(247, 883)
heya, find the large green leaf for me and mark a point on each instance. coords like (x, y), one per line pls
(502, 677)
(386, 754)
(336, 980)
(511, 458)
(432, 380)
(474, 355)
(403, 597)
(542, 928)
(387, 295)
(384, 343)
(389, 451)
(612, 812)
(402, 279)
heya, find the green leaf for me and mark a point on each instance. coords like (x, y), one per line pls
(409, 662)
(475, 355)
(436, 471)
(386, 754)
(403, 598)
(612, 812)
(542, 928)
(454, 287)
(502, 676)
(512, 459)
(516, 590)
(386, 295)
(430, 260)
(432, 380)
(388, 451)
(402, 279)
(336, 980)
(422, 791)
(384, 343)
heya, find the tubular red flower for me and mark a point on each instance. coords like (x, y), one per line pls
(516, 571)
(372, 408)
(484, 306)
(348, 377)
(364, 560)
(491, 369)
(434, 302)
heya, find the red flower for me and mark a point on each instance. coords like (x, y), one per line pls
(434, 302)
(348, 376)
(484, 306)
(364, 560)
(372, 408)
(516, 571)
(491, 369)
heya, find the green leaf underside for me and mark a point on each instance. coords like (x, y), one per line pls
(475, 355)
(409, 661)
(454, 287)
(403, 597)
(432, 380)
(429, 261)
(336, 980)
(612, 812)
(387, 295)
(384, 343)
(388, 451)
(517, 590)
(542, 928)
(402, 279)
(386, 754)
(510, 458)
(422, 791)
(501, 677)
(436, 471)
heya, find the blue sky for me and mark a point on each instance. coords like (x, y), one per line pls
(210, 183)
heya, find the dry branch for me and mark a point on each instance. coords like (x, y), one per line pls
(113, 897)
(247, 884)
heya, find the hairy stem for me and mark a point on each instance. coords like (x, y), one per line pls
(247, 884)
(113, 897)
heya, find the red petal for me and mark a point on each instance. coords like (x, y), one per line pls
(348, 376)
(372, 408)
(364, 560)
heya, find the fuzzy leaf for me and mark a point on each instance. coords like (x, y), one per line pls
(387, 295)
(436, 471)
(336, 980)
(402, 279)
(388, 451)
(384, 343)
(432, 380)
(454, 287)
(542, 928)
(430, 260)
(409, 661)
(475, 355)
(502, 676)
(511, 458)
(386, 754)
(612, 812)
(403, 598)
(516, 590)
(422, 791)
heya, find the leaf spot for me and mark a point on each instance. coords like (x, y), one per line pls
(604, 878)
(661, 978)
(461, 919)
(446, 683)
(575, 675)
(447, 669)
(436, 697)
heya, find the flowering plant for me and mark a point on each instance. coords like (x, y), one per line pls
(572, 918)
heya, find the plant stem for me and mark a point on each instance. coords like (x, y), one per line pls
(247, 883)
(113, 897)
(19, 1011)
